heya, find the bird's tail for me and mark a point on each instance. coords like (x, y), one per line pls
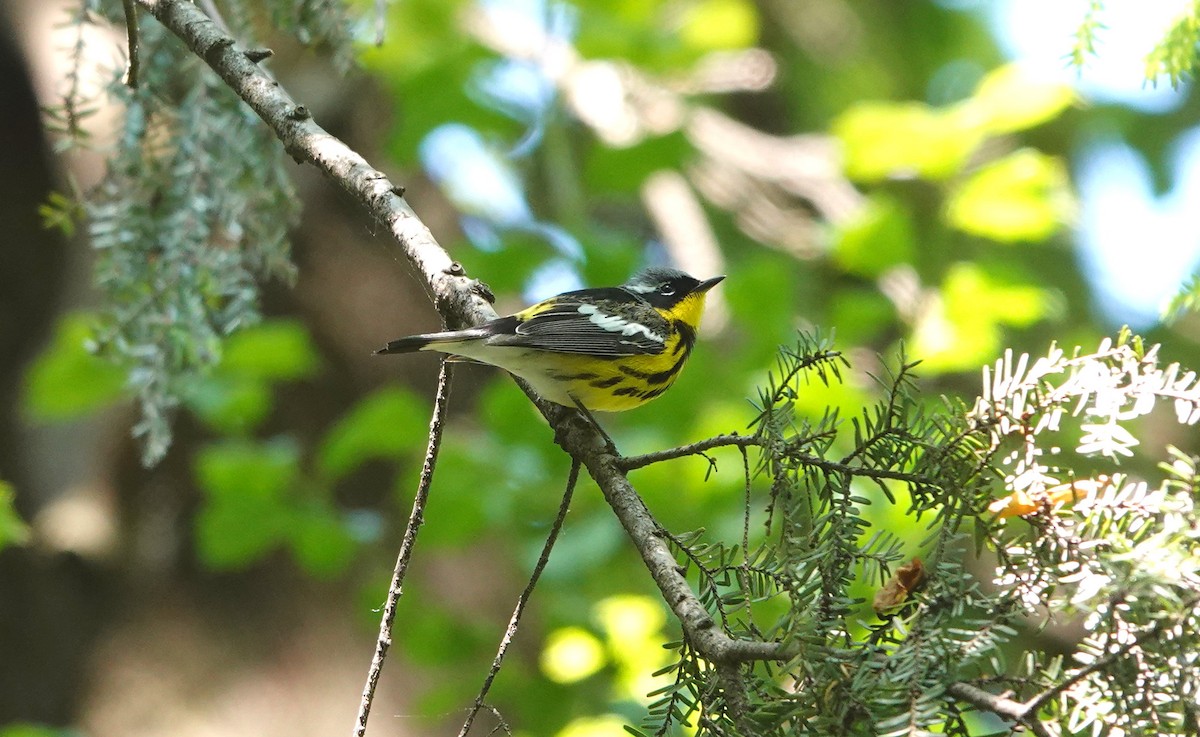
(413, 343)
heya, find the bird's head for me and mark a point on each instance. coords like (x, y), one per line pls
(665, 288)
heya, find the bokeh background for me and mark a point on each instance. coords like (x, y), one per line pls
(932, 174)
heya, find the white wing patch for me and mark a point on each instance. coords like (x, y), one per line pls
(618, 324)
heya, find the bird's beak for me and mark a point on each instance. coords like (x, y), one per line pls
(708, 284)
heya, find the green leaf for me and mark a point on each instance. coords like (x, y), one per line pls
(320, 541)
(67, 381)
(62, 213)
(13, 530)
(229, 404)
(245, 514)
(624, 170)
(884, 140)
(27, 729)
(711, 25)
(878, 238)
(275, 349)
(386, 424)
(1012, 99)
(1021, 197)
(963, 329)
(241, 469)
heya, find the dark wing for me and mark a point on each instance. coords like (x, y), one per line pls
(607, 323)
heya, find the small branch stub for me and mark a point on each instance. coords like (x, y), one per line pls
(257, 55)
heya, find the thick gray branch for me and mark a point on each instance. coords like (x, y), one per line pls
(459, 300)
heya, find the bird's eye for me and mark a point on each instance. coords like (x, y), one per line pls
(666, 290)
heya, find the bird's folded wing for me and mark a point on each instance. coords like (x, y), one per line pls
(570, 326)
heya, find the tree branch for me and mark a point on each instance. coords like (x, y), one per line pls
(1017, 711)
(459, 299)
(415, 519)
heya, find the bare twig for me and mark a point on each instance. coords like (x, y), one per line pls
(1099, 664)
(131, 38)
(630, 463)
(415, 519)
(1000, 705)
(1025, 712)
(523, 599)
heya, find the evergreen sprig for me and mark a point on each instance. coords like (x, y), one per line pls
(194, 208)
(1119, 554)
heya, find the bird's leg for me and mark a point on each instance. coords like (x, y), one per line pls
(612, 447)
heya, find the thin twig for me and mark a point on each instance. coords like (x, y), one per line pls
(745, 567)
(523, 599)
(1037, 702)
(132, 39)
(999, 705)
(630, 463)
(415, 519)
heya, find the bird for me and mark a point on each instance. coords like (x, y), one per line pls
(606, 349)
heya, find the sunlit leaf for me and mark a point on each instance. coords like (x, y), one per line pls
(1011, 99)
(882, 140)
(719, 24)
(67, 381)
(1021, 197)
(571, 654)
(961, 328)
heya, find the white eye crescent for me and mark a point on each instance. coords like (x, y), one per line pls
(666, 290)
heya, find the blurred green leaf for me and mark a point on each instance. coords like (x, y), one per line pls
(880, 236)
(439, 636)
(245, 514)
(386, 424)
(420, 34)
(62, 213)
(709, 25)
(962, 331)
(624, 170)
(321, 541)
(861, 315)
(1011, 99)
(240, 469)
(1187, 300)
(639, 32)
(67, 381)
(27, 729)
(13, 530)
(228, 404)
(1021, 197)
(883, 140)
(274, 349)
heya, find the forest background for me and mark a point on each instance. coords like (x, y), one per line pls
(910, 172)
